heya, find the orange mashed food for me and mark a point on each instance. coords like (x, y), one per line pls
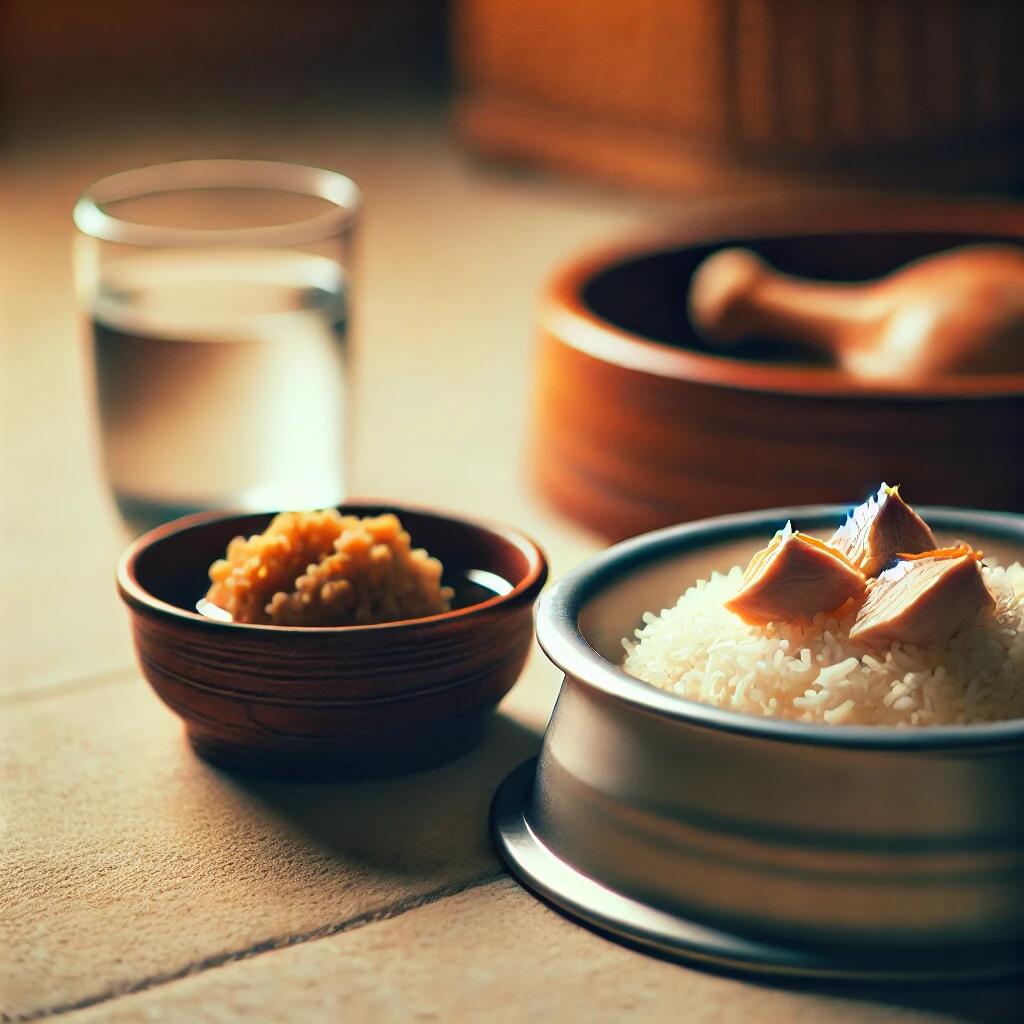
(326, 569)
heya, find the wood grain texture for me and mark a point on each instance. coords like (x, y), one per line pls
(708, 95)
(639, 425)
(342, 701)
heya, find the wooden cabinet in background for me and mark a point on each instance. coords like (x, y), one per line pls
(719, 95)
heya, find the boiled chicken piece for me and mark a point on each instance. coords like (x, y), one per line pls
(924, 599)
(795, 577)
(875, 531)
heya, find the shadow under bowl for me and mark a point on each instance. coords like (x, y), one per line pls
(350, 701)
(640, 424)
(755, 844)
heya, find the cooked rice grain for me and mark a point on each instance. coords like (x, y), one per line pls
(813, 672)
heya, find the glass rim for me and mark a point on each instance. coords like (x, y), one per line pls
(93, 220)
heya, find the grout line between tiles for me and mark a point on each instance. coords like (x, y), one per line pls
(68, 684)
(258, 949)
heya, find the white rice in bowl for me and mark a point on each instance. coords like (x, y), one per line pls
(814, 673)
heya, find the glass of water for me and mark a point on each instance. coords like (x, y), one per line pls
(217, 295)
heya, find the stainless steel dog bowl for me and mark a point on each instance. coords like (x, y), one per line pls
(755, 844)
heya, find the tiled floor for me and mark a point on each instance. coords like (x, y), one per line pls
(137, 883)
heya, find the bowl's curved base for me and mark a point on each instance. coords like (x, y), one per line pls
(675, 937)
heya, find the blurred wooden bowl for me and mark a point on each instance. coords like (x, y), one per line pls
(638, 424)
(335, 701)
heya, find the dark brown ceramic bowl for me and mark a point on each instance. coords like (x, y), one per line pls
(342, 701)
(639, 425)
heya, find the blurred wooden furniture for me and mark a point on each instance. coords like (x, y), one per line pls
(56, 53)
(713, 95)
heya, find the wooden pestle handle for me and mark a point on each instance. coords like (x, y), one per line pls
(735, 294)
(958, 311)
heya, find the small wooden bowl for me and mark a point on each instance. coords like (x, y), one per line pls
(639, 424)
(347, 701)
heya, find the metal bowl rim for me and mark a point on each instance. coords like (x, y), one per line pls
(559, 635)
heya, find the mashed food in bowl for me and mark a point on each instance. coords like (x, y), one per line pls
(327, 569)
(833, 632)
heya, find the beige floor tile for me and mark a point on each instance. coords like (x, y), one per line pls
(495, 954)
(125, 856)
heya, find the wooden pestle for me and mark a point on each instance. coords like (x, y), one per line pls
(960, 311)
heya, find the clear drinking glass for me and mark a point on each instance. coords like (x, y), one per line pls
(217, 295)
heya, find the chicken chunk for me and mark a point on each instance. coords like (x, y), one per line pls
(875, 531)
(795, 577)
(925, 598)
